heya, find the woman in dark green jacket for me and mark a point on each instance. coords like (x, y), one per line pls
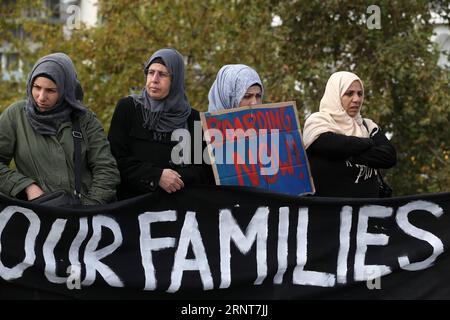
(37, 134)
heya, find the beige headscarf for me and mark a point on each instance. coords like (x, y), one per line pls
(332, 116)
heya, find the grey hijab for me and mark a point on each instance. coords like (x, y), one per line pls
(173, 111)
(231, 83)
(59, 68)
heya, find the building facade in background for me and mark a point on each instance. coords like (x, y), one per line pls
(442, 38)
(58, 11)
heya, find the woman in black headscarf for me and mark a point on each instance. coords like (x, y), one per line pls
(37, 134)
(145, 127)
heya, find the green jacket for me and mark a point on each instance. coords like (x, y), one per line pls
(48, 160)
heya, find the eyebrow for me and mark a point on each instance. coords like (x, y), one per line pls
(150, 69)
(350, 91)
(51, 88)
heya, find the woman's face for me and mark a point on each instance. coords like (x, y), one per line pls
(252, 96)
(158, 81)
(45, 93)
(352, 99)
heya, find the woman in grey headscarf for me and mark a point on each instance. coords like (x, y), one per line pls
(37, 134)
(141, 131)
(236, 85)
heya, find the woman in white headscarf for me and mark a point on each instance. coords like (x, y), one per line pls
(344, 149)
(236, 85)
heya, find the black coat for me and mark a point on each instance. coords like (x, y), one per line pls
(344, 166)
(142, 154)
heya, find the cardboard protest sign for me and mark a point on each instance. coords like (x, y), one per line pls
(259, 146)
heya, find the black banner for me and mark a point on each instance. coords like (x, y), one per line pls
(228, 243)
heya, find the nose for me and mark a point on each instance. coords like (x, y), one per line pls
(154, 77)
(253, 101)
(42, 96)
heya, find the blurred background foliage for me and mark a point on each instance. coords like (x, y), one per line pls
(294, 46)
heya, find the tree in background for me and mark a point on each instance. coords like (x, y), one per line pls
(294, 45)
(12, 19)
(406, 93)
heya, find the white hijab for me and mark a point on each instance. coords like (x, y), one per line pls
(231, 83)
(332, 116)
